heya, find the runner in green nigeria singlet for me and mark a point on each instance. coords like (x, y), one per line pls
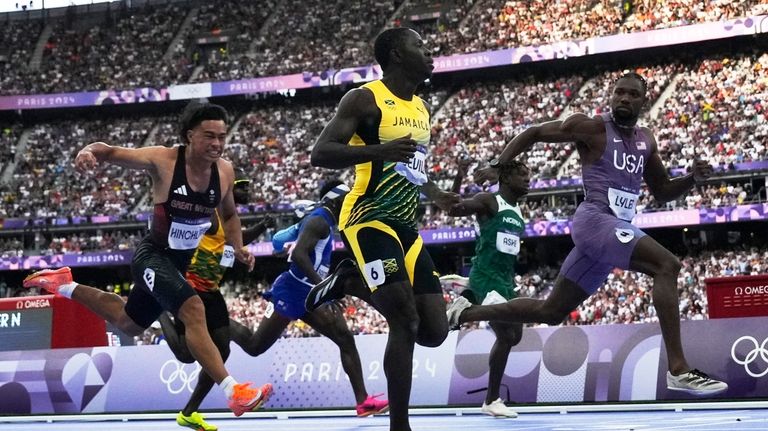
(496, 249)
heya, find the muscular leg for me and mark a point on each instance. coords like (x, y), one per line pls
(329, 321)
(108, 306)
(199, 342)
(433, 324)
(396, 302)
(204, 384)
(176, 341)
(649, 257)
(565, 296)
(507, 336)
(269, 331)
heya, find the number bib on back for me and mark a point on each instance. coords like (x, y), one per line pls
(622, 203)
(415, 170)
(186, 234)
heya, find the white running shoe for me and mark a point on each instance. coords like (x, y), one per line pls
(454, 311)
(695, 382)
(498, 409)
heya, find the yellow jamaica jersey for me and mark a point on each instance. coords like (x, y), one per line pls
(211, 259)
(389, 191)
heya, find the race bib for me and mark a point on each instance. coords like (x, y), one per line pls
(416, 169)
(507, 243)
(228, 258)
(374, 273)
(322, 271)
(186, 234)
(622, 203)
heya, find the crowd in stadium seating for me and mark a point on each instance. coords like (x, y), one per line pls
(100, 241)
(480, 117)
(707, 196)
(310, 36)
(718, 113)
(9, 136)
(45, 185)
(272, 142)
(717, 103)
(124, 50)
(17, 41)
(240, 21)
(653, 14)
(11, 247)
(132, 47)
(494, 24)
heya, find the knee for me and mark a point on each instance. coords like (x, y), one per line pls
(345, 340)
(129, 327)
(255, 349)
(432, 335)
(670, 266)
(431, 340)
(224, 353)
(509, 336)
(184, 356)
(405, 325)
(192, 311)
(515, 335)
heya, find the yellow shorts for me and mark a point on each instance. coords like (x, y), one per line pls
(387, 254)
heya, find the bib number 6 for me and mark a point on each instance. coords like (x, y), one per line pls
(374, 273)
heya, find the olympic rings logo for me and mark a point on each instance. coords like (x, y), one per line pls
(757, 349)
(176, 377)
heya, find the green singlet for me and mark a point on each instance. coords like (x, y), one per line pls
(496, 249)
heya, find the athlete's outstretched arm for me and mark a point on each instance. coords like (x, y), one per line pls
(476, 205)
(315, 229)
(133, 158)
(285, 235)
(444, 200)
(577, 127)
(253, 232)
(662, 187)
(357, 110)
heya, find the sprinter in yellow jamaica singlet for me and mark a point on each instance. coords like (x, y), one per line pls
(383, 130)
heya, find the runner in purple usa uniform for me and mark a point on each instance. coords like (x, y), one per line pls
(616, 155)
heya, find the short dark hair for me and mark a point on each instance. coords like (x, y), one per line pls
(637, 76)
(510, 167)
(386, 41)
(330, 184)
(196, 112)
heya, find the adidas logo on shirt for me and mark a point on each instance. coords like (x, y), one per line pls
(181, 190)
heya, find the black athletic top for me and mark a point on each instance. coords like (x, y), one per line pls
(179, 223)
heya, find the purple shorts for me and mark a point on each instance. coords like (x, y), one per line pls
(603, 242)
